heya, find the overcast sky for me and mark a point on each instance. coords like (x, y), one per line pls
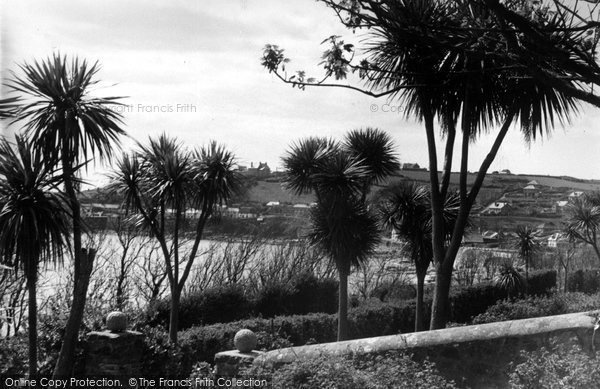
(205, 56)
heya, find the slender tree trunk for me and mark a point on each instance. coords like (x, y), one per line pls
(343, 306)
(440, 304)
(566, 279)
(66, 357)
(32, 319)
(83, 265)
(419, 314)
(174, 314)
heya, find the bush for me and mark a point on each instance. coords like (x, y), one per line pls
(586, 281)
(305, 294)
(391, 370)
(559, 367)
(532, 306)
(215, 305)
(13, 356)
(161, 358)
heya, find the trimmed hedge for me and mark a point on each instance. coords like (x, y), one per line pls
(305, 294)
(374, 319)
(538, 306)
(586, 281)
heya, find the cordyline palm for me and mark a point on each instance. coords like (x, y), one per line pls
(342, 225)
(583, 222)
(407, 210)
(34, 222)
(160, 182)
(454, 61)
(375, 149)
(66, 124)
(341, 175)
(527, 245)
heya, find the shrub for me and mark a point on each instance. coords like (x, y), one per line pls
(391, 370)
(215, 305)
(161, 358)
(532, 306)
(559, 367)
(586, 281)
(13, 356)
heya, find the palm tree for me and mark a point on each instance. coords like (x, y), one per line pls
(341, 176)
(407, 210)
(342, 225)
(66, 124)
(511, 280)
(375, 149)
(527, 245)
(163, 180)
(583, 222)
(34, 223)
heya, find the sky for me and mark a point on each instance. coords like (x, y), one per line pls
(192, 69)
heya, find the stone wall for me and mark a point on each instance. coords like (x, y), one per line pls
(114, 353)
(474, 356)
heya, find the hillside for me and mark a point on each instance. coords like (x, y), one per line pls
(263, 191)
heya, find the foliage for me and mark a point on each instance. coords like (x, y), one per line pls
(13, 356)
(586, 281)
(161, 358)
(556, 367)
(367, 320)
(538, 306)
(390, 370)
(511, 280)
(214, 305)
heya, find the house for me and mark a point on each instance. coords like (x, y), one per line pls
(559, 206)
(490, 236)
(273, 204)
(557, 240)
(530, 190)
(505, 171)
(496, 208)
(534, 183)
(263, 170)
(411, 166)
(575, 195)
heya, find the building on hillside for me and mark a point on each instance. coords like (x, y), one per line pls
(505, 171)
(262, 170)
(575, 195)
(412, 166)
(557, 240)
(530, 191)
(490, 236)
(560, 206)
(533, 183)
(273, 204)
(496, 208)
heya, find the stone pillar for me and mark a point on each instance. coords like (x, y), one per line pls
(114, 353)
(229, 363)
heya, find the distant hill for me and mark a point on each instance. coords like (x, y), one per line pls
(272, 189)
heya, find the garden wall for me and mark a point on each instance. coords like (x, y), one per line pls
(474, 356)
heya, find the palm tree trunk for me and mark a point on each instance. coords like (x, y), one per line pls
(419, 325)
(440, 304)
(32, 319)
(66, 357)
(343, 306)
(174, 314)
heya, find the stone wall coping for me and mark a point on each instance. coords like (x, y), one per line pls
(507, 329)
(114, 335)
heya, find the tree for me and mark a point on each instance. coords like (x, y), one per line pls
(68, 125)
(407, 210)
(527, 245)
(583, 222)
(340, 176)
(473, 66)
(160, 183)
(34, 223)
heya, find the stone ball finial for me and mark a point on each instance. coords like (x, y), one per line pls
(245, 341)
(116, 321)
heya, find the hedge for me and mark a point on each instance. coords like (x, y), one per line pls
(586, 281)
(374, 319)
(305, 294)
